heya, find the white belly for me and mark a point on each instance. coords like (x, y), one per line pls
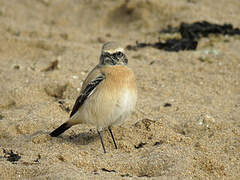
(105, 114)
(123, 107)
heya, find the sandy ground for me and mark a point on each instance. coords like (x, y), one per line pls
(187, 121)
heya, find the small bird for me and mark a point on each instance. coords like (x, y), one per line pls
(108, 94)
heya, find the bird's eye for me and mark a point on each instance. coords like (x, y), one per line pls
(119, 54)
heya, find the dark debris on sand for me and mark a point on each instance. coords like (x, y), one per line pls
(204, 29)
(158, 143)
(190, 35)
(106, 170)
(11, 156)
(53, 66)
(140, 145)
(167, 105)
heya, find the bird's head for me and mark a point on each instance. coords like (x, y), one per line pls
(113, 54)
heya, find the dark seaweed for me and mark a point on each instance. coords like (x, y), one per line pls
(190, 35)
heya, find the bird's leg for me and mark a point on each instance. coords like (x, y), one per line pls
(112, 137)
(102, 142)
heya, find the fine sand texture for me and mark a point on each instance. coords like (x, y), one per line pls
(187, 121)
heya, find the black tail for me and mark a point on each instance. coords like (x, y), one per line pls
(61, 129)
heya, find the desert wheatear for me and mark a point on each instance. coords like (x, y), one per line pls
(108, 94)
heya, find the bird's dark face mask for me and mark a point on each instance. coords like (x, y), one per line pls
(117, 58)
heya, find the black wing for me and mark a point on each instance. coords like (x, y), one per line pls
(87, 91)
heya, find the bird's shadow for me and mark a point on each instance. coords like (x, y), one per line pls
(84, 138)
